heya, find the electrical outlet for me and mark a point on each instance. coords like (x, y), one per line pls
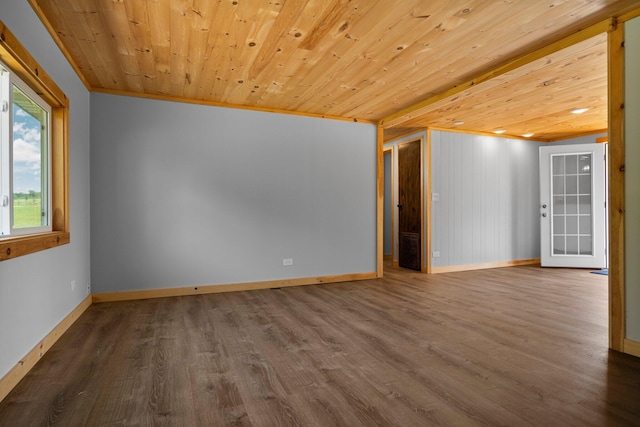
(73, 285)
(435, 197)
(88, 288)
(287, 261)
(436, 254)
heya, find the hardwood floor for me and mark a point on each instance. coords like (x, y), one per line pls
(511, 346)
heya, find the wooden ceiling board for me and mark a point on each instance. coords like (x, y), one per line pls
(391, 57)
(320, 75)
(448, 62)
(365, 59)
(534, 98)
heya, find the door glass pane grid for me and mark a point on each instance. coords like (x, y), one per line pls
(571, 213)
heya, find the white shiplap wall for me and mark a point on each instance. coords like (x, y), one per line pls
(488, 199)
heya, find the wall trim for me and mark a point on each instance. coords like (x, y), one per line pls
(632, 347)
(520, 138)
(22, 368)
(56, 38)
(491, 134)
(629, 16)
(499, 264)
(234, 287)
(578, 135)
(204, 102)
(616, 203)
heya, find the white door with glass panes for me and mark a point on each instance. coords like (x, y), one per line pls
(572, 206)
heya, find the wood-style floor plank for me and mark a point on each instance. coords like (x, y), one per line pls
(516, 346)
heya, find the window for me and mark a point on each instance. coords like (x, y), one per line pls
(34, 183)
(24, 167)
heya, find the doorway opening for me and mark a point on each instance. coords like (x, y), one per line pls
(405, 230)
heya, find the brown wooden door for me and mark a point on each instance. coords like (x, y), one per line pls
(409, 214)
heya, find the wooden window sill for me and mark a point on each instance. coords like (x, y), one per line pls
(13, 247)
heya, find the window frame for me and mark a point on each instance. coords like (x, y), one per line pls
(13, 83)
(19, 61)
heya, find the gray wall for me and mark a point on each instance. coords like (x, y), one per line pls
(489, 189)
(194, 195)
(632, 177)
(35, 291)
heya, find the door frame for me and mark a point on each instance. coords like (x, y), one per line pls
(424, 137)
(598, 258)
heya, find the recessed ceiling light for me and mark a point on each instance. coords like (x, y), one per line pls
(528, 135)
(499, 131)
(458, 122)
(578, 110)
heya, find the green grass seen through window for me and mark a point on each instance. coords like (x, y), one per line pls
(27, 212)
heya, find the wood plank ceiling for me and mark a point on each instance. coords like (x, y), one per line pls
(357, 59)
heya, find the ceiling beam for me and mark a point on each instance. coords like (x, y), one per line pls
(426, 105)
